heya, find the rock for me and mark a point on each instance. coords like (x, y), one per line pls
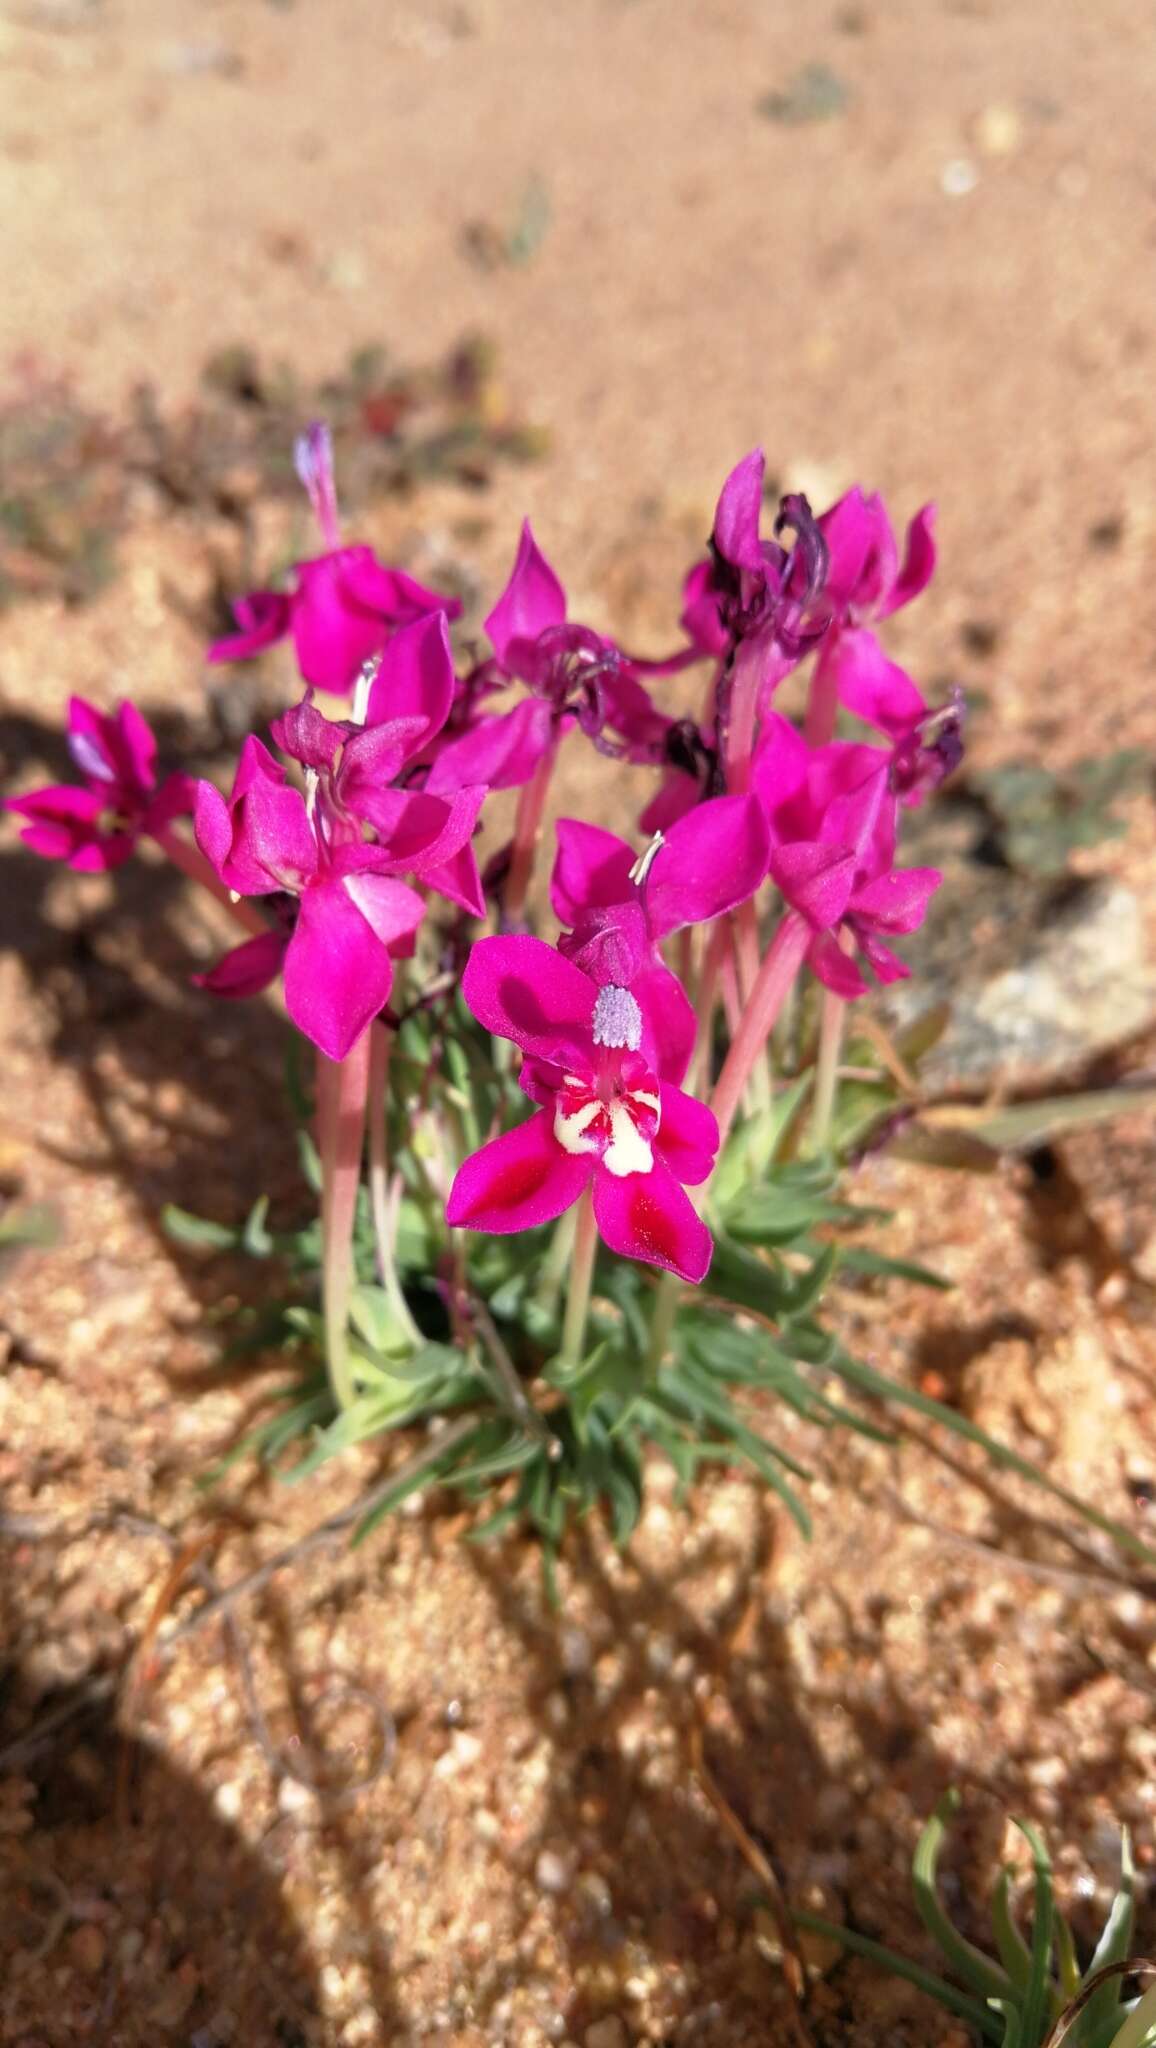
(606, 2033)
(1040, 977)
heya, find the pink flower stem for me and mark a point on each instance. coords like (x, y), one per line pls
(772, 986)
(581, 1276)
(342, 1089)
(527, 832)
(716, 951)
(191, 862)
(831, 1021)
(823, 702)
(382, 1209)
(740, 738)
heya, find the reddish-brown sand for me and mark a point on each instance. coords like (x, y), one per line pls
(944, 290)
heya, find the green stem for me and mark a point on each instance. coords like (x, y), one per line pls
(342, 1088)
(832, 1018)
(380, 1206)
(780, 966)
(556, 1261)
(666, 1302)
(581, 1276)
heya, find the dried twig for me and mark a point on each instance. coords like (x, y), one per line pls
(794, 1971)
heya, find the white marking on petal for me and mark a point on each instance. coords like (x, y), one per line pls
(571, 1131)
(628, 1151)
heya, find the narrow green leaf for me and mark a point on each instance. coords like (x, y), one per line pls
(1014, 1952)
(945, 1994)
(1037, 1992)
(870, 1381)
(969, 1962)
(185, 1228)
(1112, 1947)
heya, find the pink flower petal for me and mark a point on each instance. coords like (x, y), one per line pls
(338, 973)
(458, 880)
(591, 866)
(699, 618)
(897, 901)
(306, 735)
(521, 989)
(390, 909)
(676, 795)
(519, 1181)
(610, 942)
(849, 531)
(816, 880)
(370, 763)
(334, 635)
(669, 1023)
(649, 1216)
(874, 688)
(415, 679)
(502, 751)
(391, 594)
(918, 563)
(532, 601)
(736, 519)
(174, 799)
(688, 1136)
(781, 765)
(834, 968)
(885, 965)
(713, 859)
(248, 968)
(264, 618)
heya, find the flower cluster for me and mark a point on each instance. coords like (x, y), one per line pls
(768, 844)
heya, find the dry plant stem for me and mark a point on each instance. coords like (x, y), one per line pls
(382, 1210)
(527, 831)
(581, 1275)
(342, 1088)
(191, 862)
(775, 978)
(794, 1972)
(832, 1019)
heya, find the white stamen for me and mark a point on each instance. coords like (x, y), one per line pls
(365, 683)
(646, 860)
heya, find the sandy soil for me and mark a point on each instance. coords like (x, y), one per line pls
(943, 290)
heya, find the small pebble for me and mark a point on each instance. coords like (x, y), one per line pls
(552, 1872)
(959, 177)
(998, 130)
(607, 2033)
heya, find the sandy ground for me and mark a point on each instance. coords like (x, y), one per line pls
(944, 290)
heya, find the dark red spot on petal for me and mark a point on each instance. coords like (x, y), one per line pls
(515, 1182)
(654, 1229)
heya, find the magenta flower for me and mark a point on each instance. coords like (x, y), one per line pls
(353, 912)
(577, 677)
(606, 1117)
(866, 582)
(342, 607)
(752, 588)
(621, 907)
(832, 816)
(96, 825)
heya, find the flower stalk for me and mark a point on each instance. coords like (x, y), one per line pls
(527, 832)
(581, 1277)
(342, 1093)
(775, 978)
